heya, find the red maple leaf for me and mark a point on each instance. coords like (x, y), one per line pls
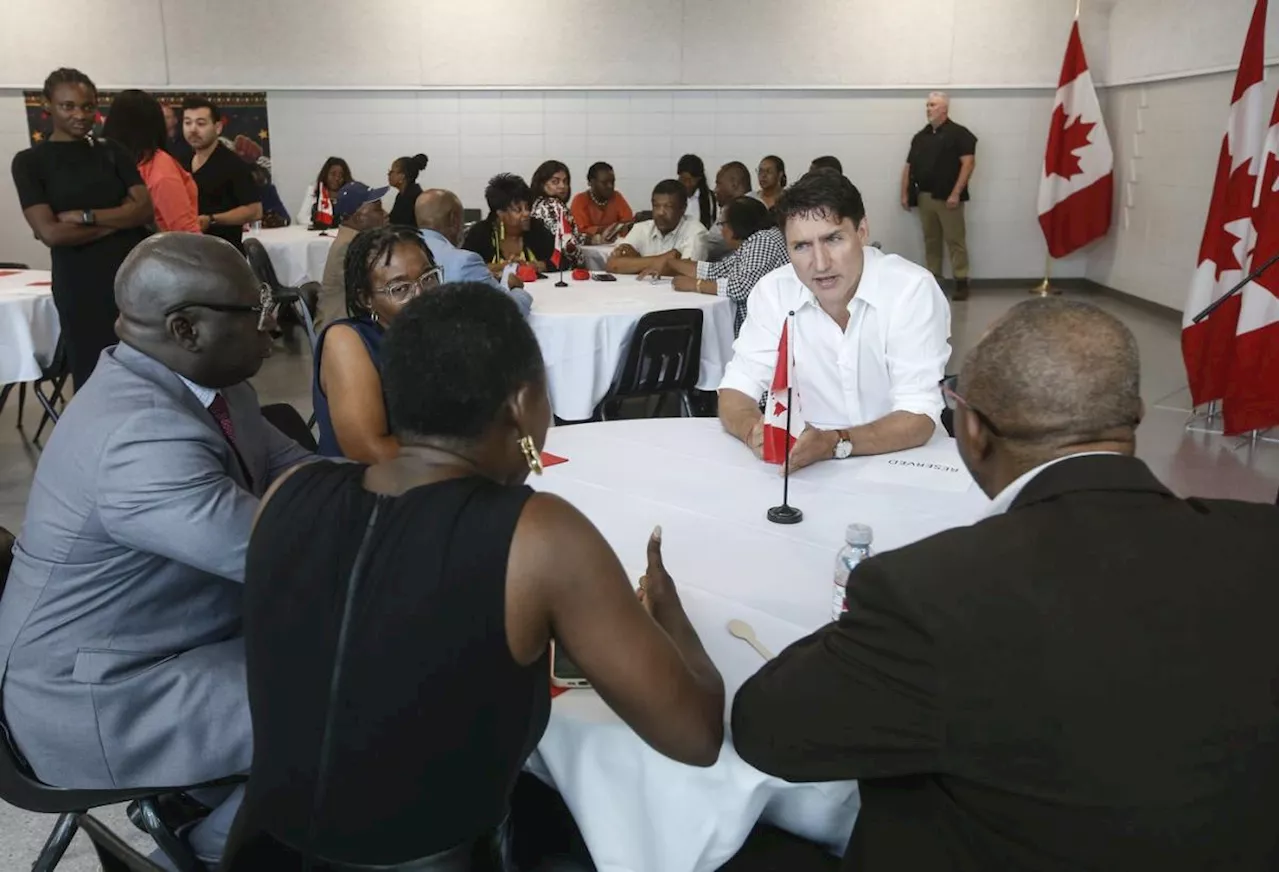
(1264, 223)
(1238, 204)
(1064, 141)
(778, 409)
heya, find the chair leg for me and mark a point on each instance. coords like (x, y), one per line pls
(686, 410)
(114, 854)
(50, 413)
(56, 845)
(173, 846)
(4, 395)
(22, 402)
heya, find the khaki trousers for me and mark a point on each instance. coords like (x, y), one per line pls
(943, 225)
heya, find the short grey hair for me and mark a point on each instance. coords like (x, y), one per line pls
(943, 96)
(1055, 372)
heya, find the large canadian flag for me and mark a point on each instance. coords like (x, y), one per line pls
(778, 439)
(1207, 347)
(1076, 180)
(1252, 387)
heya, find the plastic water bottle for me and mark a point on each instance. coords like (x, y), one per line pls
(857, 548)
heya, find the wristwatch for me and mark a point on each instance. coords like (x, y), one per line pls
(844, 448)
(86, 217)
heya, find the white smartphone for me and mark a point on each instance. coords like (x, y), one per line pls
(564, 673)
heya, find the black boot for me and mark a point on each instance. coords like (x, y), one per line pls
(961, 290)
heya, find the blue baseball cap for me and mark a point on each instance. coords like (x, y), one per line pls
(352, 196)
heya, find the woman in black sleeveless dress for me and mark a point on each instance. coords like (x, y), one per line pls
(398, 616)
(84, 199)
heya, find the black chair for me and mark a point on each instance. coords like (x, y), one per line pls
(20, 788)
(948, 417)
(288, 421)
(260, 263)
(14, 266)
(643, 215)
(662, 359)
(53, 378)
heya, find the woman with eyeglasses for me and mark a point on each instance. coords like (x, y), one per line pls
(384, 269)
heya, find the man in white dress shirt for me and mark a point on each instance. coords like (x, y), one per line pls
(670, 230)
(869, 337)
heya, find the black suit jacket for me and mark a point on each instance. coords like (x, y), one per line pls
(1087, 681)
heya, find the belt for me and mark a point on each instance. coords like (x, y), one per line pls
(488, 852)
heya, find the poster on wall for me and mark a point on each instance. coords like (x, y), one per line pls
(243, 114)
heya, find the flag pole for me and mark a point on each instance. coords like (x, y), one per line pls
(1045, 289)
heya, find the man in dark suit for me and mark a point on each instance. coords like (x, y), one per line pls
(121, 646)
(1085, 679)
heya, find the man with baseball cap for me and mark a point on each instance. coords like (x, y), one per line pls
(357, 207)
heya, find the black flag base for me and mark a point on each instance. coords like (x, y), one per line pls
(785, 514)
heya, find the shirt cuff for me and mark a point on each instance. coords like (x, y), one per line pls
(704, 267)
(740, 382)
(928, 404)
(722, 287)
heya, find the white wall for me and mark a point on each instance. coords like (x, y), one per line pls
(543, 43)
(1171, 38)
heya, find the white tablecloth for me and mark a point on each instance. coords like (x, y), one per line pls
(638, 810)
(598, 255)
(29, 325)
(298, 254)
(584, 330)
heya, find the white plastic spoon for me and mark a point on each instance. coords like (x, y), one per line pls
(744, 631)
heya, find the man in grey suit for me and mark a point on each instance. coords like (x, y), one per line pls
(121, 649)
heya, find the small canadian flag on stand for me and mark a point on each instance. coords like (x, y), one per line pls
(1076, 182)
(324, 208)
(1253, 385)
(782, 406)
(562, 233)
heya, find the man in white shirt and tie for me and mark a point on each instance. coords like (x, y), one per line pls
(869, 337)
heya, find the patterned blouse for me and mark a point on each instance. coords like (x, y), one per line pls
(735, 276)
(551, 211)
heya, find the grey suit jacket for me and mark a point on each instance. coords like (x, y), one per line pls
(121, 654)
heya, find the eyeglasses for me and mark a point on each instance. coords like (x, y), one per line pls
(266, 310)
(404, 291)
(952, 399)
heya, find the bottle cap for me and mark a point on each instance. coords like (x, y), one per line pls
(858, 534)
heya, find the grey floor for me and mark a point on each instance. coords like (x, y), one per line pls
(1191, 463)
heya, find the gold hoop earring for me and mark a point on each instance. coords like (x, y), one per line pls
(531, 455)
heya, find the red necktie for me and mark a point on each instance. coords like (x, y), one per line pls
(222, 414)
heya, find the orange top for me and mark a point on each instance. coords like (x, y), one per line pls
(592, 219)
(173, 193)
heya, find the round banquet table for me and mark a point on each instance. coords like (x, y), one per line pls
(638, 810)
(584, 331)
(298, 254)
(29, 325)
